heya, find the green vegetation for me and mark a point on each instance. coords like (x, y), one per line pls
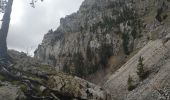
(94, 60)
(80, 69)
(15, 82)
(2, 78)
(1, 84)
(84, 67)
(53, 59)
(23, 88)
(140, 72)
(137, 28)
(66, 68)
(127, 14)
(90, 54)
(92, 64)
(106, 51)
(99, 61)
(140, 69)
(37, 91)
(125, 38)
(107, 23)
(130, 83)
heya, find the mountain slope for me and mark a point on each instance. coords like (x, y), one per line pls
(85, 40)
(156, 61)
(103, 35)
(102, 30)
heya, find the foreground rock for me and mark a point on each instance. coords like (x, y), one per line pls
(43, 82)
(77, 88)
(8, 92)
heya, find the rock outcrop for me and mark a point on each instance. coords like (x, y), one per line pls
(42, 82)
(86, 40)
(90, 37)
(108, 33)
(8, 92)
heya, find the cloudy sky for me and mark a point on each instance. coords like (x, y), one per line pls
(28, 25)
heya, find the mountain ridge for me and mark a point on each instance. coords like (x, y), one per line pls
(104, 36)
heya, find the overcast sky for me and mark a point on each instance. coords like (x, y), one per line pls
(28, 25)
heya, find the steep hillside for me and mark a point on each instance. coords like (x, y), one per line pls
(156, 56)
(102, 33)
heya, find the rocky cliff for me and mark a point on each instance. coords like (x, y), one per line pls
(101, 33)
(85, 40)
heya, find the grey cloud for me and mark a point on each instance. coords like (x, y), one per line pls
(28, 25)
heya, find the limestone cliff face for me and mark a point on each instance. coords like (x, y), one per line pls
(100, 29)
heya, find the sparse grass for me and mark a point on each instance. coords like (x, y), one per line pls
(36, 79)
(47, 68)
(23, 88)
(15, 82)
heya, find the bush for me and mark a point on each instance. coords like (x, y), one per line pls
(130, 83)
(23, 88)
(66, 68)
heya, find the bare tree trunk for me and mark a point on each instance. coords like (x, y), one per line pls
(4, 32)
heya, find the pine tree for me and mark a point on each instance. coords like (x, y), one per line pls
(140, 68)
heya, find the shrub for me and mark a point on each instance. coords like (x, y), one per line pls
(66, 68)
(2, 78)
(130, 83)
(23, 88)
(15, 82)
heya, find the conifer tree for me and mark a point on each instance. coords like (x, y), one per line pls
(140, 68)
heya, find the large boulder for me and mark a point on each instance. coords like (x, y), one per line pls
(75, 87)
(8, 92)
